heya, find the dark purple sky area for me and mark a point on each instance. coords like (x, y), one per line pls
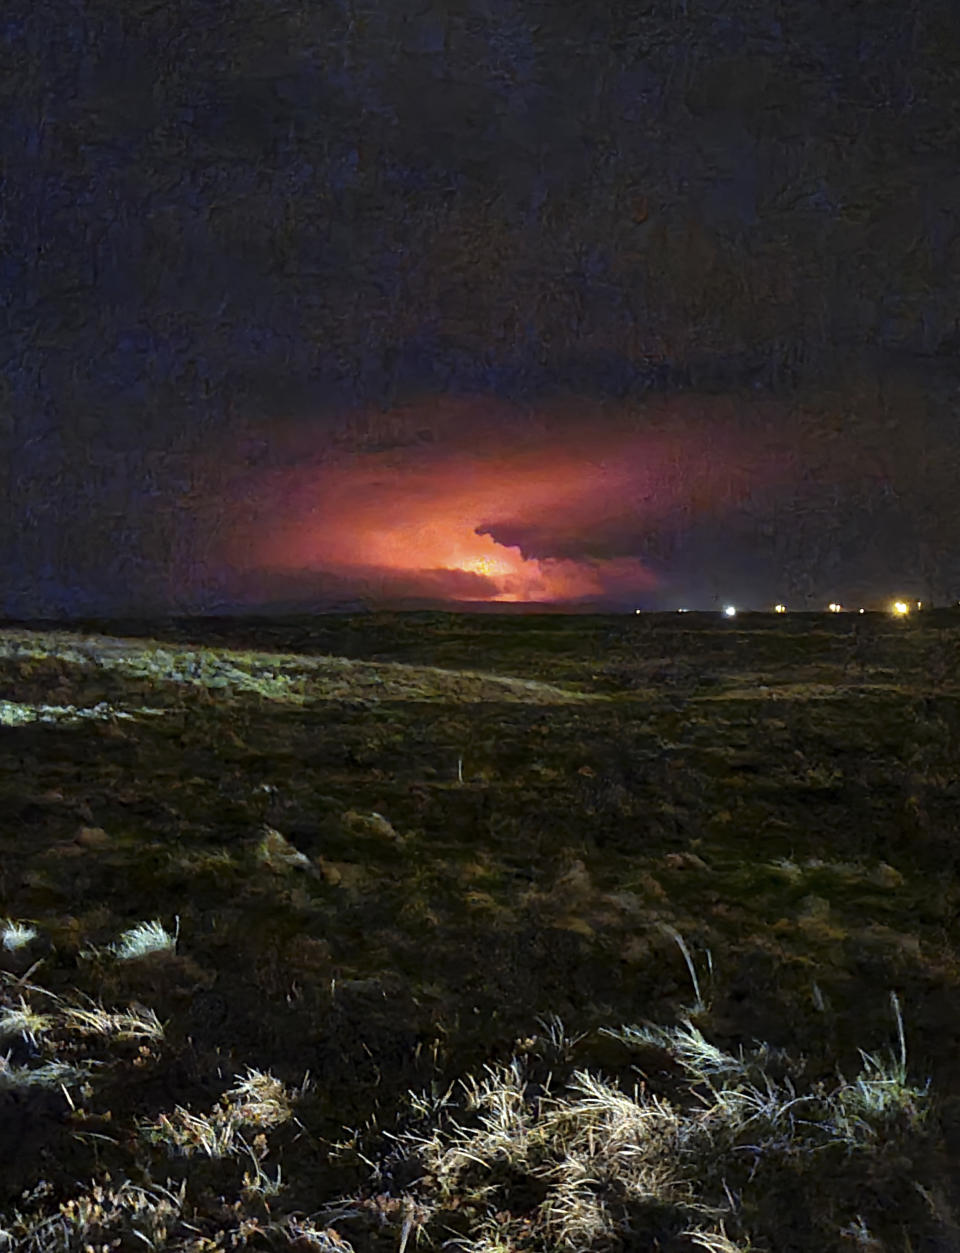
(384, 303)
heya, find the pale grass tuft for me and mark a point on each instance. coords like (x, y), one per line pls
(429, 1105)
(17, 935)
(102, 1213)
(502, 1134)
(589, 1145)
(494, 1236)
(554, 1041)
(304, 1235)
(735, 1108)
(185, 1133)
(576, 1217)
(23, 1021)
(49, 1075)
(257, 1184)
(136, 1023)
(148, 937)
(488, 1242)
(605, 1120)
(716, 1241)
(685, 1044)
(505, 1125)
(880, 1093)
(854, 1113)
(259, 1100)
(596, 1151)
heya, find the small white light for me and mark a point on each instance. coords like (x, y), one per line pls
(636, 611)
(681, 611)
(835, 607)
(730, 611)
(900, 608)
(861, 611)
(779, 609)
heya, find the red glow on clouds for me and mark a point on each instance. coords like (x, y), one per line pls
(495, 508)
(422, 516)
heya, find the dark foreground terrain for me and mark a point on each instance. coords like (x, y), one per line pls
(496, 933)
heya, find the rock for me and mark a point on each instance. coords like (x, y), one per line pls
(885, 876)
(91, 837)
(685, 861)
(371, 824)
(278, 853)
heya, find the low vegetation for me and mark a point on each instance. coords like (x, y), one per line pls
(489, 934)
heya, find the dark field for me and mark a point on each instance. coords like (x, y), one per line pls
(748, 826)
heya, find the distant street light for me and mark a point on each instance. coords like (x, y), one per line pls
(779, 609)
(835, 607)
(730, 611)
(900, 608)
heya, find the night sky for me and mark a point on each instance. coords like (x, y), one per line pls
(358, 303)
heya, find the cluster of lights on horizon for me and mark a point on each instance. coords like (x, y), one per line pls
(899, 608)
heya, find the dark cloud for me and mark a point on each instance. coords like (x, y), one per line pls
(490, 289)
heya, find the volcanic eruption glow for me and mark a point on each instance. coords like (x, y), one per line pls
(425, 524)
(552, 516)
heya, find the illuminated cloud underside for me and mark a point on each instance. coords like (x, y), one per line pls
(493, 512)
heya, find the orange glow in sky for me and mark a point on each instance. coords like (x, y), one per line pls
(370, 516)
(506, 513)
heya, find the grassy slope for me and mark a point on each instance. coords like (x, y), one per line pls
(522, 838)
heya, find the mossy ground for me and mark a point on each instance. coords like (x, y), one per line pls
(501, 820)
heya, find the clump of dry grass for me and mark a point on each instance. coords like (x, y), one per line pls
(136, 1023)
(96, 1219)
(111, 1212)
(716, 1241)
(50, 1074)
(259, 1100)
(105, 1216)
(538, 1153)
(16, 935)
(143, 940)
(23, 1020)
(515, 1157)
(147, 937)
(38, 1034)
